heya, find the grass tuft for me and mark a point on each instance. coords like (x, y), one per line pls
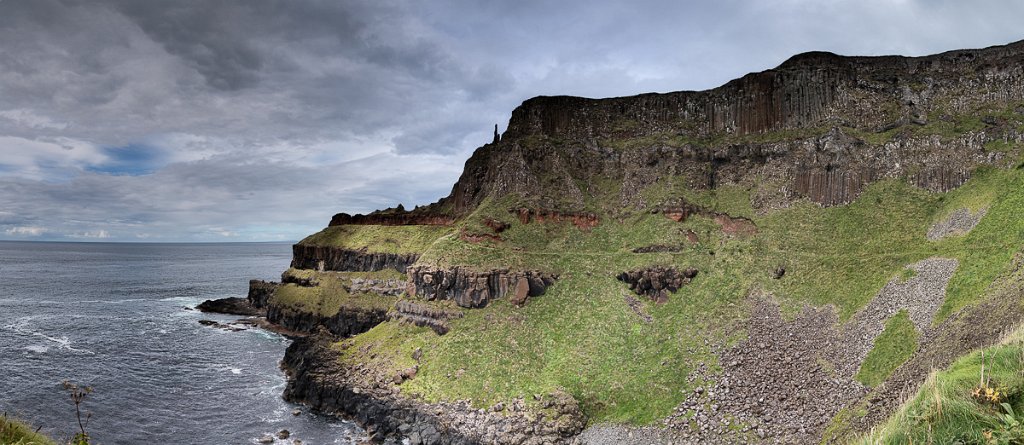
(892, 348)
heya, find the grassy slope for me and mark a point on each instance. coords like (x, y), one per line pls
(581, 336)
(383, 239)
(330, 296)
(13, 432)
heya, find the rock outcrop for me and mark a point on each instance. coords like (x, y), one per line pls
(656, 282)
(318, 380)
(230, 305)
(423, 315)
(260, 292)
(472, 289)
(347, 322)
(323, 258)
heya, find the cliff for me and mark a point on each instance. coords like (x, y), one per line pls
(771, 261)
(819, 126)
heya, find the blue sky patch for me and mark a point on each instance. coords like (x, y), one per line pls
(131, 160)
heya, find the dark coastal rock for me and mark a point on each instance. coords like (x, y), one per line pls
(346, 323)
(347, 260)
(472, 289)
(232, 305)
(260, 292)
(657, 282)
(318, 380)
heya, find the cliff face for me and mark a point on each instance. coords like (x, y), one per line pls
(306, 256)
(347, 322)
(819, 126)
(471, 289)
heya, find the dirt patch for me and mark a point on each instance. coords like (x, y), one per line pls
(960, 222)
(637, 307)
(737, 226)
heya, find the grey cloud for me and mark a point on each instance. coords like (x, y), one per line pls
(242, 98)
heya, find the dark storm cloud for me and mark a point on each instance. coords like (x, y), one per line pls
(238, 119)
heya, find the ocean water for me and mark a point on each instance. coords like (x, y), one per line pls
(117, 317)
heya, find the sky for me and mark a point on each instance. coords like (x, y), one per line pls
(256, 120)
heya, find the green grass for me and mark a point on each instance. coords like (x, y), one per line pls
(985, 253)
(14, 432)
(944, 411)
(383, 239)
(892, 348)
(330, 295)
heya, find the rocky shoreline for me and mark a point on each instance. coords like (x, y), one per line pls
(318, 380)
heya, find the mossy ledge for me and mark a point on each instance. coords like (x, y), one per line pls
(796, 200)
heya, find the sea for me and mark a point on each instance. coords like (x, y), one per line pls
(120, 318)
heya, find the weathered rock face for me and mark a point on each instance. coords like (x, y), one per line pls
(657, 282)
(819, 126)
(346, 323)
(730, 225)
(423, 315)
(471, 289)
(260, 292)
(379, 287)
(348, 260)
(317, 379)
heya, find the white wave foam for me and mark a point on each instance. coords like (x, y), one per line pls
(23, 326)
(38, 349)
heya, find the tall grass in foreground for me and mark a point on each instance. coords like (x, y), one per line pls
(14, 432)
(978, 400)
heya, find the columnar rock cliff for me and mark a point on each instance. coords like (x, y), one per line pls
(819, 126)
(306, 256)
